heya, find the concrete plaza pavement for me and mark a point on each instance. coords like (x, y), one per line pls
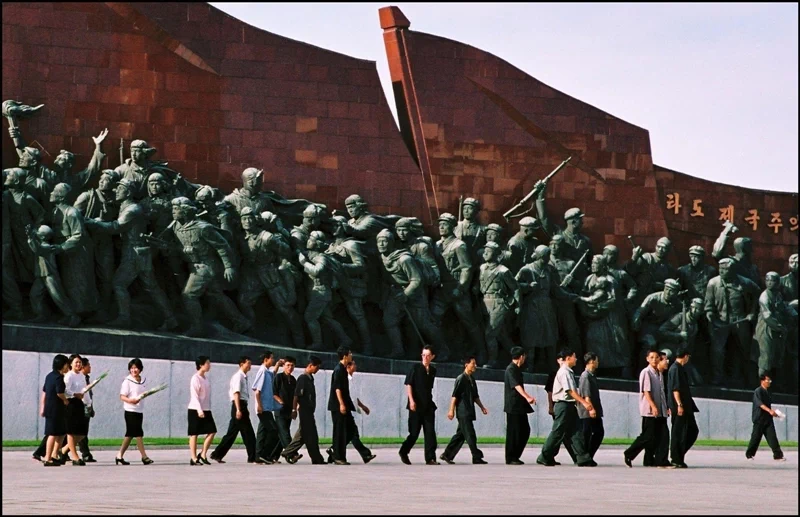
(717, 482)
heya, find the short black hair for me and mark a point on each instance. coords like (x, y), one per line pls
(200, 361)
(72, 358)
(662, 354)
(468, 359)
(764, 376)
(589, 356)
(429, 348)
(565, 352)
(342, 352)
(682, 352)
(59, 361)
(654, 351)
(289, 359)
(517, 352)
(314, 361)
(243, 359)
(137, 363)
(84, 360)
(265, 356)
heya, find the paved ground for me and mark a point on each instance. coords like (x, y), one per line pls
(718, 482)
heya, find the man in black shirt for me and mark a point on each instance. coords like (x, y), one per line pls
(517, 406)
(421, 408)
(763, 423)
(283, 387)
(340, 404)
(683, 408)
(305, 396)
(462, 403)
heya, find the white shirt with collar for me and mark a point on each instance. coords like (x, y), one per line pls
(74, 383)
(564, 381)
(239, 384)
(132, 389)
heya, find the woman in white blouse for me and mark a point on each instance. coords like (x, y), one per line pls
(130, 394)
(199, 415)
(77, 423)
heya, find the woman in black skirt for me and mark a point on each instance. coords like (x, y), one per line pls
(54, 409)
(77, 423)
(200, 419)
(130, 394)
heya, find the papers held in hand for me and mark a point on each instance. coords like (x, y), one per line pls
(154, 390)
(94, 383)
(780, 414)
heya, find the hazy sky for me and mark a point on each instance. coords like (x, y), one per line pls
(716, 85)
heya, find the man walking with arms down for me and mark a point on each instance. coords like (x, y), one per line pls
(340, 404)
(683, 408)
(517, 406)
(462, 404)
(565, 425)
(267, 435)
(651, 405)
(763, 423)
(592, 426)
(240, 416)
(421, 409)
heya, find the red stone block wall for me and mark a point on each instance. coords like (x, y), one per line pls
(212, 93)
(475, 148)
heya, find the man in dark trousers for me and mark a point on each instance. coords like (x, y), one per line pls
(551, 406)
(421, 408)
(283, 387)
(267, 433)
(340, 404)
(683, 408)
(656, 454)
(565, 424)
(517, 406)
(593, 430)
(305, 396)
(651, 405)
(352, 429)
(763, 423)
(239, 393)
(462, 403)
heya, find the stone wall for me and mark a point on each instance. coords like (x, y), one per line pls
(165, 413)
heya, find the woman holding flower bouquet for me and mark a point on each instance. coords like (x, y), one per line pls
(199, 414)
(130, 393)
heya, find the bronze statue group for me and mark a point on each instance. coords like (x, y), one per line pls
(279, 398)
(77, 241)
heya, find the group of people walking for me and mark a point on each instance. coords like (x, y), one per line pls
(576, 408)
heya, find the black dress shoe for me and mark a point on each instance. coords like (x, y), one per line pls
(679, 465)
(546, 463)
(78, 463)
(52, 463)
(217, 459)
(293, 459)
(341, 462)
(591, 463)
(404, 458)
(557, 463)
(627, 460)
(147, 461)
(36, 457)
(369, 458)
(204, 460)
(447, 460)
(515, 462)
(432, 462)
(120, 461)
(479, 461)
(89, 459)
(193, 462)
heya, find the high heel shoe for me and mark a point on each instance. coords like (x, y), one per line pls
(147, 461)
(120, 461)
(204, 460)
(193, 462)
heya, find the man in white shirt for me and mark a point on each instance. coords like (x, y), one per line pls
(86, 454)
(240, 416)
(565, 423)
(652, 404)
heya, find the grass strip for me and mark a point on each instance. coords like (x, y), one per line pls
(487, 440)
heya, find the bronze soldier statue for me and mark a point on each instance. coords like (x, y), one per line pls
(789, 290)
(568, 329)
(422, 248)
(651, 270)
(11, 293)
(456, 278)
(79, 181)
(250, 194)
(100, 203)
(324, 271)
(742, 260)
(405, 298)
(210, 261)
(731, 307)
(219, 213)
(494, 233)
(472, 233)
(681, 331)
(539, 284)
(23, 211)
(312, 215)
(139, 167)
(136, 260)
(352, 255)
(47, 278)
(627, 290)
(775, 316)
(654, 311)
(500, 291)
(576, 243)
(76, 263)
(362, 224)
(39, 179)
(263, 252)
(521, 246)
(695, 275)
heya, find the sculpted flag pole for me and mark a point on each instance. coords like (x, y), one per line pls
(12, 110)
(508, 215)
(568, 279)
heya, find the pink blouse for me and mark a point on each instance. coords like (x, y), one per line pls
(200, 393)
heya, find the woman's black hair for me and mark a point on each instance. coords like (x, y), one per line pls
(59, 361)
(135, 362)
(201, 360)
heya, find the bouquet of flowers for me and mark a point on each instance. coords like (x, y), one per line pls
(149, 392)
(95, 382)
